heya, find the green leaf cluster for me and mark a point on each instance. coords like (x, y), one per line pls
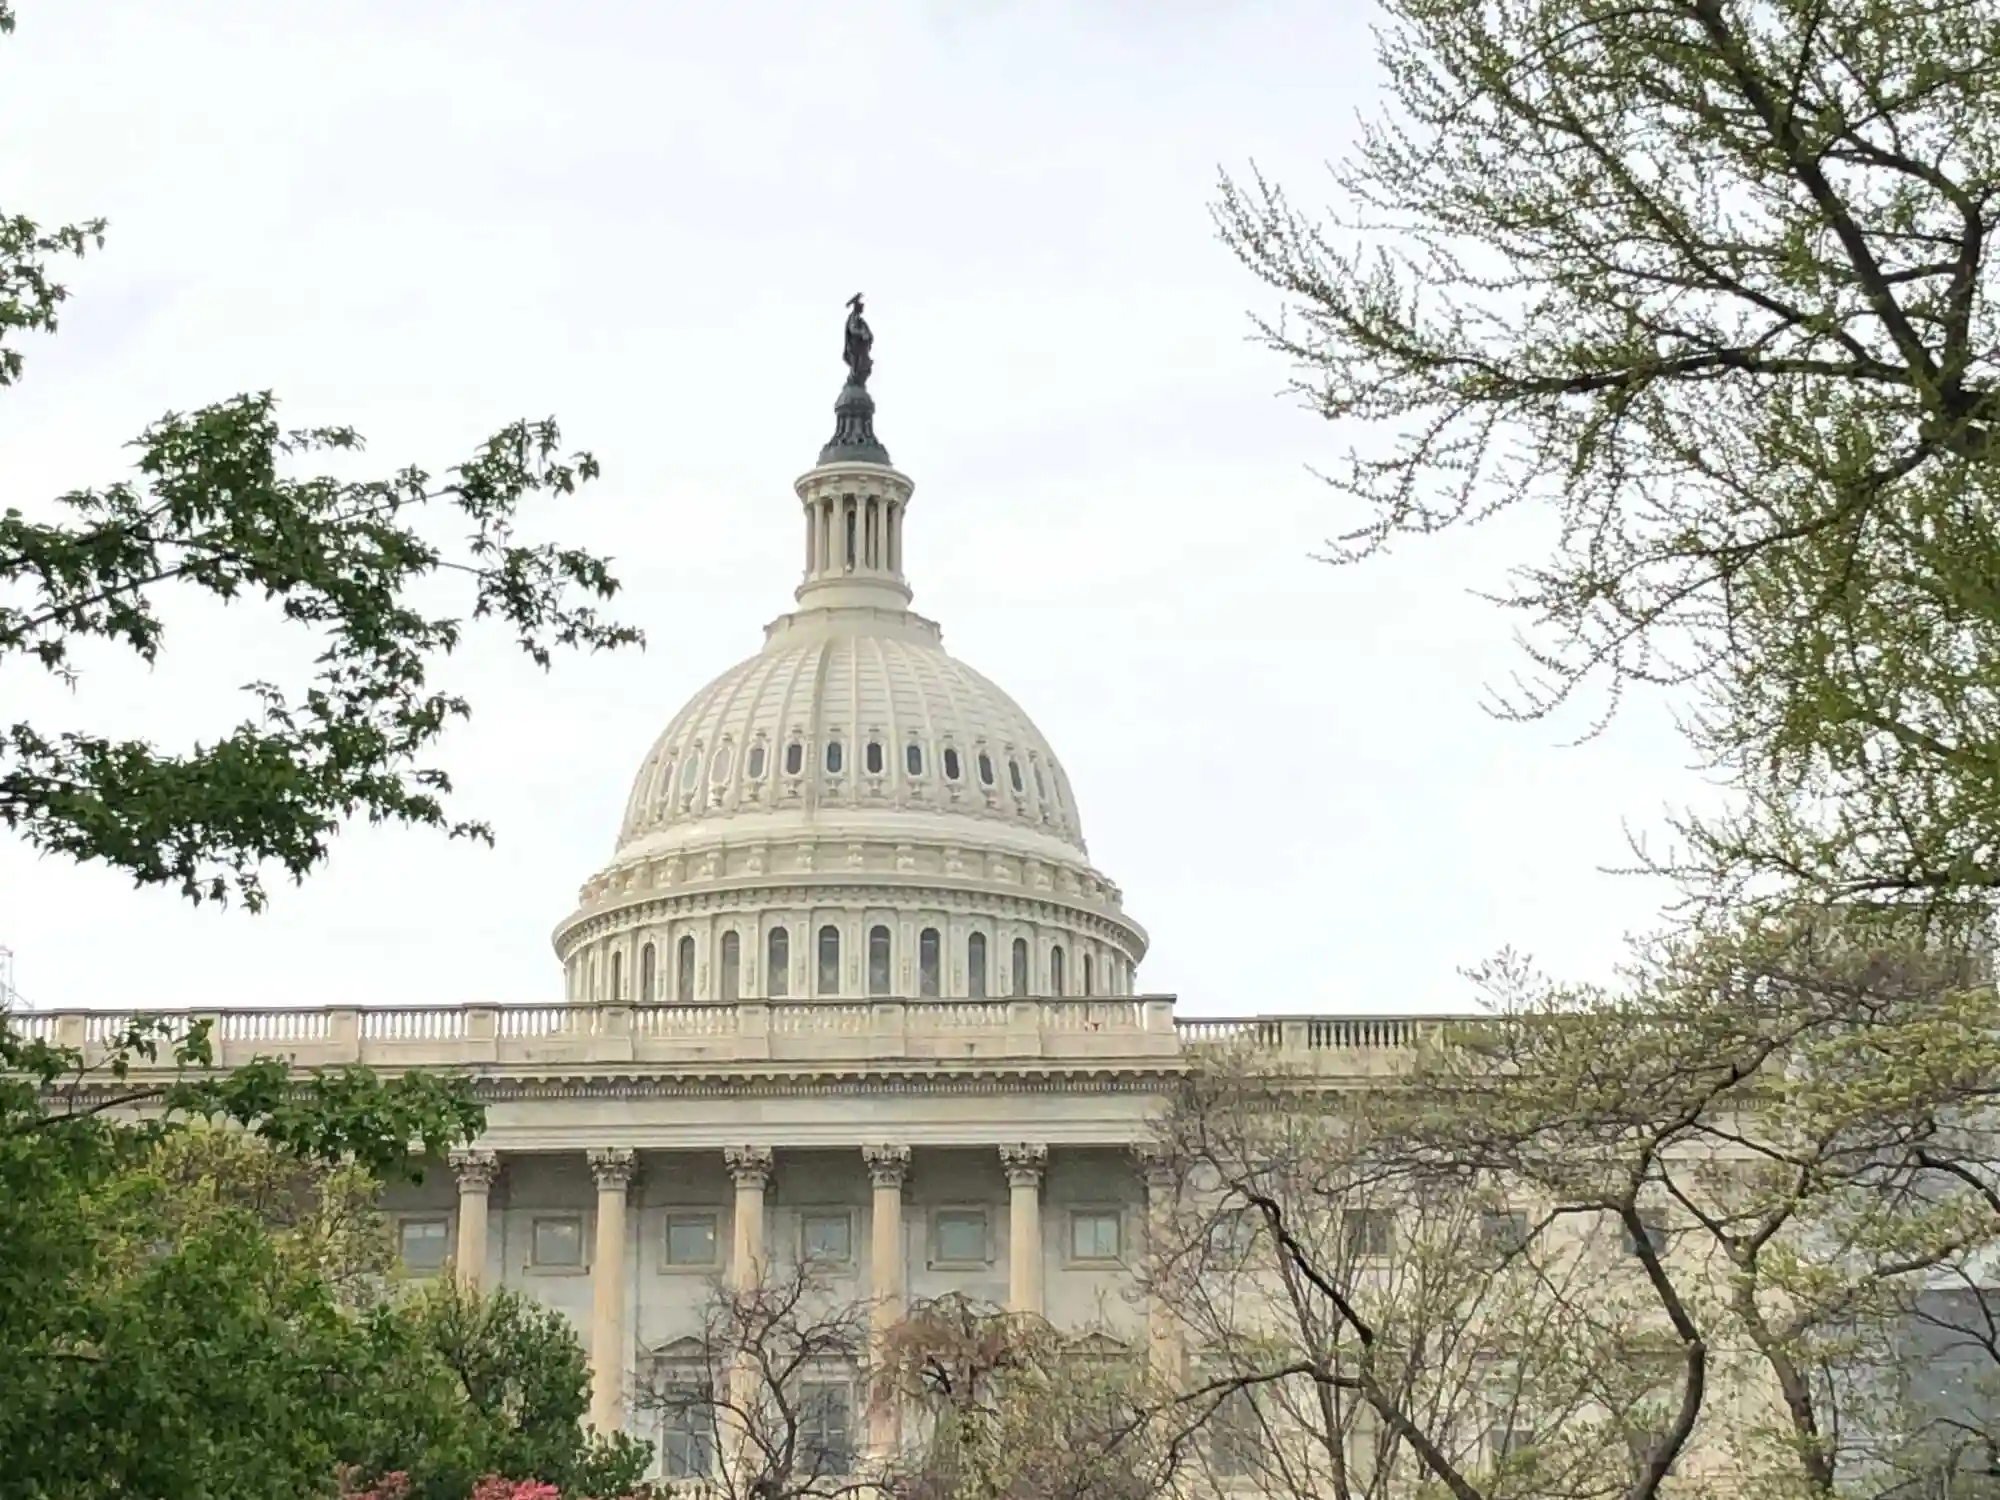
(196, 1298)
(225, 505)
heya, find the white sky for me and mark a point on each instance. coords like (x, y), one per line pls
(426, 218)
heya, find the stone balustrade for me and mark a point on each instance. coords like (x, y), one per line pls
(812, 1032)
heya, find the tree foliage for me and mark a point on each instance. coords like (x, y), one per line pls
(1711, 281)
(471, 1386)
(225, 504)
(1727, 1231)
(195, 1297)
(156, 1337)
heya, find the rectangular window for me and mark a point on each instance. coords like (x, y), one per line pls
(1503, 1230)
(958, 1237)
(826, 1236)
(1504, 1440)
(557, 1244)
(1235, 1436)
(1367, 1232)
(826, 1427)
(1231, 1234)
(1094, 1234)
(422, 1244)
(1653, 1224)
(692, 1239)
(687, 1431)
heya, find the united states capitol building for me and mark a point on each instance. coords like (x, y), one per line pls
(850, 987)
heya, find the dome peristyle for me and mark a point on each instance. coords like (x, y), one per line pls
(852, 811)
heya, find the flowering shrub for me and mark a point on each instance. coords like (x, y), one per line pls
(493, 1487)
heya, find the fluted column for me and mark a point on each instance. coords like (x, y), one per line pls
(888, 1167)
(613, 1168)
(475, 1171)
(750, 1166)
(1024, 1165)
(1165, 1349)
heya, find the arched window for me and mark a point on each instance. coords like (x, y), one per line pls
(648, 975)
(928, 963)
(852, 553)
(1014, 776)
(1040, 790)
(1089, 975)
(985, 769)
(691, 769)
(975, 966)
(753, 767)
(778, 963)
(872, 757)
(1056, 970)
(795, 758)
(684, 971)
(951, 766)
(833, 757)
(617, 977)
(732, 966)
(721, 763)
(1019, 978)
(913, 758)
(829, 960)
(878, 960)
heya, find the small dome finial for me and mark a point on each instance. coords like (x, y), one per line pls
(854, 438)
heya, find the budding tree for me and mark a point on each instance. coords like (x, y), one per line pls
(1723, 1226)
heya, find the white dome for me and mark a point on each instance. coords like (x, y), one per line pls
(841, 722)
(851, 811)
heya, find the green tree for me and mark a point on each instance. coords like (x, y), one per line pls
(163, 1344)
(219, 508)
(467, 1385)
(1710, 282)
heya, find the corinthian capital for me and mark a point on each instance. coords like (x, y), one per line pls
(612, 1166)
(887, 1165)
(474, 1169)
(1024, 1164)
(749, 1165)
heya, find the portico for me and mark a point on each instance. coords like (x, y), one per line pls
(1051, 1232)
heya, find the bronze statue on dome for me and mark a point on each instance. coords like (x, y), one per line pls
(860, 339)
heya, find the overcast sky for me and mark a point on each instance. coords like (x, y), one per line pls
(426, 218)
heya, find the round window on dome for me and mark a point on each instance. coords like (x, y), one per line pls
(833, 757)
(985, 768)
(795, 758)
(871, 757)
(1014, 776)
(753, 765)
(951, 765)
(913, 758)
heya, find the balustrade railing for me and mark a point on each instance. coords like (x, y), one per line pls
(801, 1030)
